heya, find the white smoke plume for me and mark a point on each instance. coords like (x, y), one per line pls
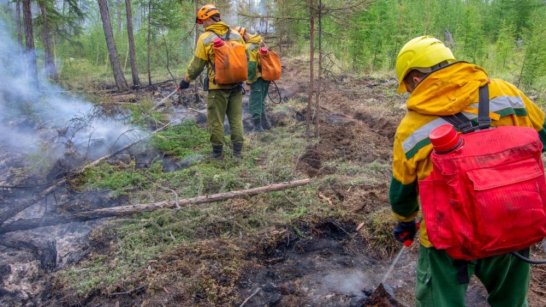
(40, 118)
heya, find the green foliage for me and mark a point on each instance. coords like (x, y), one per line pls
(120, 180)
(534, 64)
(504, 47)
(182, 140)
(143, 114)
(474, 41)
(484, 32)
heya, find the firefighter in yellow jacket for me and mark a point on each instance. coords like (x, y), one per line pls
(258, 86)
(222, 99)
(441, 86)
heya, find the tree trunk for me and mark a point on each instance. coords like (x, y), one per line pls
(319, 77)
(130, 36)
(168, 57)
(311, 65)
(121, 83)
(50, 67)
(18, 22)
(25, 224)
(118, 16)
(148, 42)
(196, 38)
(29, 40)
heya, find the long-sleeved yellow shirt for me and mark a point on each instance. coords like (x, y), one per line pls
(448, 91)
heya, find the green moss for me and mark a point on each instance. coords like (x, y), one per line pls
(182, 140)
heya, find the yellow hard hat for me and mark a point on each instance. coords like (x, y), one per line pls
(205, 12)
(420, 53)
(241, 30)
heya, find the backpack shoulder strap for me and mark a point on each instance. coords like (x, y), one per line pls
(484, 121)
(228, 34)
(465, 125)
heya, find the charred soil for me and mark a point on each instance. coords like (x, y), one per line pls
(328, 244)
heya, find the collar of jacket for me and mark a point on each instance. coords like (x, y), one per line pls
(254, 39)
(448, 91)
(219, 28)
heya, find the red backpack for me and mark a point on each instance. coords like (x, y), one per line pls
(487, 197)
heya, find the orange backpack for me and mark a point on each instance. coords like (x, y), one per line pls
(230, 61)
(270, 64)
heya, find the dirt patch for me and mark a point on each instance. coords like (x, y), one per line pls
(537, 294)
(320, 265)
(310, 162)
(313, 263)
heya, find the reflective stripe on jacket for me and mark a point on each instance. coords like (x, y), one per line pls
(448, 91)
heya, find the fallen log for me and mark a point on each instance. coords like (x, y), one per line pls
(26, 224)
(124, 97)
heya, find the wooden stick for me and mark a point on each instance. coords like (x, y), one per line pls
(127, 210)
(251, 296)
(25, 224)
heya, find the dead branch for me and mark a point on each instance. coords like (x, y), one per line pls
(138, 289)
(131, 97)
(251, 296)
(25, 224)
(131, 209)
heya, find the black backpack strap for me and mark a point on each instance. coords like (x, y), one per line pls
(484, 121)
(460, 122)
(465, 125)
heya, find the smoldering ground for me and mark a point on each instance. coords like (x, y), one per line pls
(39, 121)
(45, 133)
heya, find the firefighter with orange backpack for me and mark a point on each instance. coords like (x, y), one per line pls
(259, 80)
(222, 51)
(445, 94)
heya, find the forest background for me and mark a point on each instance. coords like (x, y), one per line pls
(360, 37)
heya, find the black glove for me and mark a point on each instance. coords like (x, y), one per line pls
(183, 84)
(405, 232)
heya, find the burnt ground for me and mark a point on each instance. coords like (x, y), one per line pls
(316, 261)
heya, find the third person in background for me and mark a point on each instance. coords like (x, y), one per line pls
(258, 86)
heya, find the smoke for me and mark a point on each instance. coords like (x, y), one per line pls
(256, 7)
(347, 282)
(39, 118)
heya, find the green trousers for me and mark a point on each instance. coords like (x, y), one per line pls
(219, 104)
(505, 277)
(258, 94)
